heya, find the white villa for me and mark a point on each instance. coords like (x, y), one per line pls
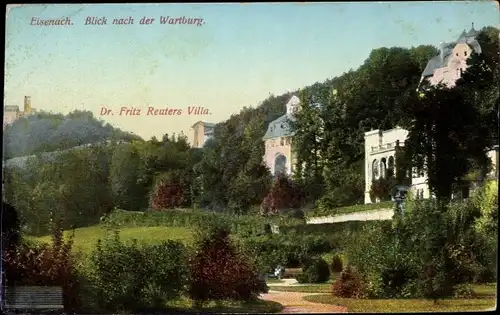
(380, 146)
(380, 157)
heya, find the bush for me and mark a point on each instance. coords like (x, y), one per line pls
(129, 277)
(11, 230)
(315, 271)
(44, 265)
(283, 196)
(464, 291)
(220, 272)
(349, 285)
(428, 251)
(337, 264)
(169, 191)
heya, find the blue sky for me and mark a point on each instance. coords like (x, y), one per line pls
(242, 53)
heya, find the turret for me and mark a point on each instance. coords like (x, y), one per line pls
(27, 104)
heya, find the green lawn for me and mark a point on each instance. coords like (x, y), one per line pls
(86, 238)
(259, 306)
(486, 300)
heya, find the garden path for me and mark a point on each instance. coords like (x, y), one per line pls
(293, 302)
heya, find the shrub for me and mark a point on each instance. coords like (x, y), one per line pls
(284, 195)
(427, 252)
(349, 284)
(132, 277)
(169, 191)
(337, 264)
(10, 227)
(220, 272)
(315, 271)
(302, 278)
(44, 265)
(464, 291)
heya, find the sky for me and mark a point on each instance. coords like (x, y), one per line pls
(240, 55)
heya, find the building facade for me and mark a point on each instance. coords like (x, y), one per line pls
(12, 112)
(448, 66)
(201, 132)
(278, 154)
(380, 161)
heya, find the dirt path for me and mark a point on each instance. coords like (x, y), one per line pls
(293, 302)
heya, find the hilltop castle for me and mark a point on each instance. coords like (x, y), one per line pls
(11, 112)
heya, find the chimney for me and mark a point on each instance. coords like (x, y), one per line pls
(27, 104)
(441, 50)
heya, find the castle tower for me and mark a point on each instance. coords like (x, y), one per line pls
(27, 104)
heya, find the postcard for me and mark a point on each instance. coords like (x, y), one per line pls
(250, 157)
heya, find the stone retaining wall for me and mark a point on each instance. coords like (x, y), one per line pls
(381, 214)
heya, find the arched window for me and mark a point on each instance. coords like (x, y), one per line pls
(375, 170)
(390, 167)
(383, 168)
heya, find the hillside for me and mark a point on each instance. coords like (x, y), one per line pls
(47, 132)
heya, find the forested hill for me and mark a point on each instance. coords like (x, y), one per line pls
(47, 132)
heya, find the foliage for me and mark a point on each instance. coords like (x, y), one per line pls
(283, 196)
(71, 187)
(315, 270)
(170, 191)
(126, 172)
(45, 265)
(349, 284)
(486, 199)
(426, 253)
(221, 272)
(337, 263)
(131, 277)
(243, 225)
(11, 226)
(47, 132)
(450, 148)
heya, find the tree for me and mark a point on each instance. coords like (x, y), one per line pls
(11, 227)
(454, 127)
(443, 138)
(308, 126)
(128, 192)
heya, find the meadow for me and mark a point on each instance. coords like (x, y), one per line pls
(86, 238)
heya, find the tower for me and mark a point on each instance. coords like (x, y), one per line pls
(27, 104)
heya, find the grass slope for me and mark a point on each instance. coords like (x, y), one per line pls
(86, 238)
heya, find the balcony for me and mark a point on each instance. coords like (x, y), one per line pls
(385, 147)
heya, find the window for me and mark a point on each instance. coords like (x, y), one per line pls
(282, 141)
(375, 170)
(456, 54)
(465, 53)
